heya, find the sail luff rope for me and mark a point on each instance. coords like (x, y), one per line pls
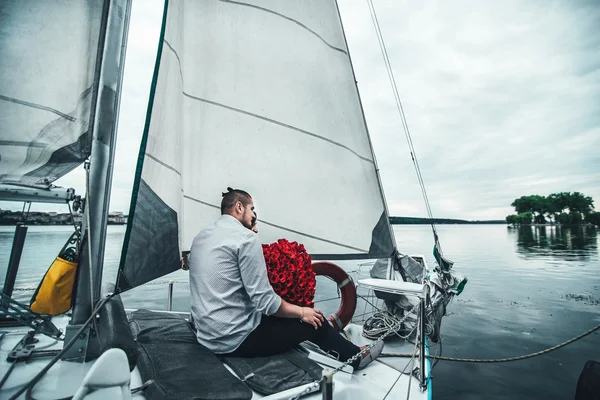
(392, 79)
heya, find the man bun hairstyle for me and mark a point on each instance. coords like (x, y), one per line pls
(231, 197)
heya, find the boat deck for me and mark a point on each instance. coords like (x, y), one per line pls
(381, 379)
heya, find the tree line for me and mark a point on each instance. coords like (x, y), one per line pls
(427, 221)
(565, 208)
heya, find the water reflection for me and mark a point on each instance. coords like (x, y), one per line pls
(567, 243)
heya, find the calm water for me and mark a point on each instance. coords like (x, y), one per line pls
(529, 289)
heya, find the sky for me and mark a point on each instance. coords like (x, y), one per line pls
(502, 100)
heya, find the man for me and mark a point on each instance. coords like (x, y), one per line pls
(234, 307)
(254, 225)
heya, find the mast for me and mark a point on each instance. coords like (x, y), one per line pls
(109, 74)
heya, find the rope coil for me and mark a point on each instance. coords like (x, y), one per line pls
(380, 323)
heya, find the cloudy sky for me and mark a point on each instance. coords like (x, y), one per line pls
(502, 100)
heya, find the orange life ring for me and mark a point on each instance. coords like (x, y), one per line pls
(344, 314)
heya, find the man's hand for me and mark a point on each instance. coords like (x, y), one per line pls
(306, 314)
(312, 316)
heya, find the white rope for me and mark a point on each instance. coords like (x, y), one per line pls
(381, 323)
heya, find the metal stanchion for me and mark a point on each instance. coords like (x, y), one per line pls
(170, 297)
(327, 385)
(422, 338)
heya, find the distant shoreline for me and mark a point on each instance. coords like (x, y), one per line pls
(441, 221)
(30, 223)
(53, 218)
(583, 224)
(448, 221)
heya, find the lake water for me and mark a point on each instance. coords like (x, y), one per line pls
(529, 288)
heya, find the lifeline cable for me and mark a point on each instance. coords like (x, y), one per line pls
(500, 360)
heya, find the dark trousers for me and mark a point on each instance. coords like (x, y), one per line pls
(275, 335)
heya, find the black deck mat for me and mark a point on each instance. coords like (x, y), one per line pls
(181, 368)
(268, 375)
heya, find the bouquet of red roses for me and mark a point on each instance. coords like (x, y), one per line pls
(289, 268)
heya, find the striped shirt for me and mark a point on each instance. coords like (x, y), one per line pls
(229, 286)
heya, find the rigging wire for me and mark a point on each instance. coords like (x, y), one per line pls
(392, 79)
(414, 354)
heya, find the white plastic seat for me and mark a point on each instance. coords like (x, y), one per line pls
(108, 378)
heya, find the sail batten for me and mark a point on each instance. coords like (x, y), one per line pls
(283, 124)
(260, 97)
(217, 104)
(307, 235)
(38, 106)
(164, 164)
(289, 19)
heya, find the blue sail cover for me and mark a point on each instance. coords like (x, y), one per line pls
(259, 96)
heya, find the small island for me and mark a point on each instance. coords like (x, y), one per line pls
(564, 208)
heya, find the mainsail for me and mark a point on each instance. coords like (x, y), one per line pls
(259, 96)
(49, 57)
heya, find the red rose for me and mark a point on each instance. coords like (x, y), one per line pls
(290, 271)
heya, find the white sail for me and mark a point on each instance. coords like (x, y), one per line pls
(258, 96)
(48, 86)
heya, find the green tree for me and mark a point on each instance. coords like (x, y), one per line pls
(523, 204)
(560, 201)
(554, 206)
(511, 219)
(535, 204)
(576, 218)
(562, 207)
(572, 218)
(525, 218)
(580, 203)
(593, 218)
(563, 219)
